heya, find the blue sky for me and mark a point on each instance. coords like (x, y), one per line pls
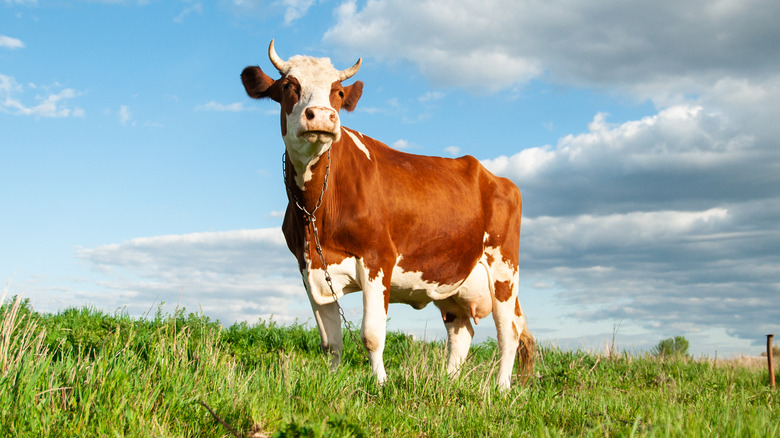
(136, 171)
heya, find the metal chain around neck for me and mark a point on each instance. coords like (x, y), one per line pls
(311, 219)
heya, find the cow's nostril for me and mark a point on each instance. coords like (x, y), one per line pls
(309, 114)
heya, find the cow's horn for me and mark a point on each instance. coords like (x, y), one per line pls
(280, 64)
(348, 73)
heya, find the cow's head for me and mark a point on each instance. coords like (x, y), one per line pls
(311, 95)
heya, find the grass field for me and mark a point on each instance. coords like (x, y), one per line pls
(82, 372)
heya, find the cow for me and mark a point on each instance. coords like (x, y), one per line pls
(401, 228)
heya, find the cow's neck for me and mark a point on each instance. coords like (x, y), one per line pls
(305, 180)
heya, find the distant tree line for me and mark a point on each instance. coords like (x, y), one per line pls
(670, 347)
(678, 346)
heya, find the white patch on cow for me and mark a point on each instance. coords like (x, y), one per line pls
(409, 287)
(359, 144)
(502, 270)
(471, 297)
(303, 170)
(343, 276)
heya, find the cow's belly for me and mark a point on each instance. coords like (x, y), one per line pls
(407, 287)
(459, 298)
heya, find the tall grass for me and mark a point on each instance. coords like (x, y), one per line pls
(82, 372)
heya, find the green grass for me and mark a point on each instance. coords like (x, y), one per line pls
(83, 372)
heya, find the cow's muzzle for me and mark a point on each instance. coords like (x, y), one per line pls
(318, 136)
(319, 124)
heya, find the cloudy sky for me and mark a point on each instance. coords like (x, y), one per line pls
(135, 171)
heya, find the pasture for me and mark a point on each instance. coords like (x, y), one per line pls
(83, 372)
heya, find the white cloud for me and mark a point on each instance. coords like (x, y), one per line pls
(49, 105)
(432, 95)
(231, 107)
(233, 275)
(9, 85)
(125, 116)
(660, 270)
(438, 36)
(487, 47)
(292, 10)
(296, 9)
(682, 155)
(10, 43)
(452, 150)
(556, 235)
(400, 144)
(195, 8)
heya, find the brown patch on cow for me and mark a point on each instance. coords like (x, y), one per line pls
(371, 342)
(490, 259)
(518, 312)
(503, 290)
(290, 92)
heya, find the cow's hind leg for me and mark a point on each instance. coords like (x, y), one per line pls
(329, 323)
(459, 336)
(509, 324)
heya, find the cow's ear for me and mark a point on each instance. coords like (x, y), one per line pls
(259, 85)
(352, 94)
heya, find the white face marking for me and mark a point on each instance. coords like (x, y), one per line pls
(316, 76)
(359, 144)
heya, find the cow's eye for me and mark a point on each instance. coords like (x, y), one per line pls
(341, 94)
(291, 86)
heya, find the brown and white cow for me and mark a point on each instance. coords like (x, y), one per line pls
(402, 228)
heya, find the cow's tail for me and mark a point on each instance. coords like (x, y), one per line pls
(525, 355)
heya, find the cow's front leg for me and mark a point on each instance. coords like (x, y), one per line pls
(329, 323)
(373, 330)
